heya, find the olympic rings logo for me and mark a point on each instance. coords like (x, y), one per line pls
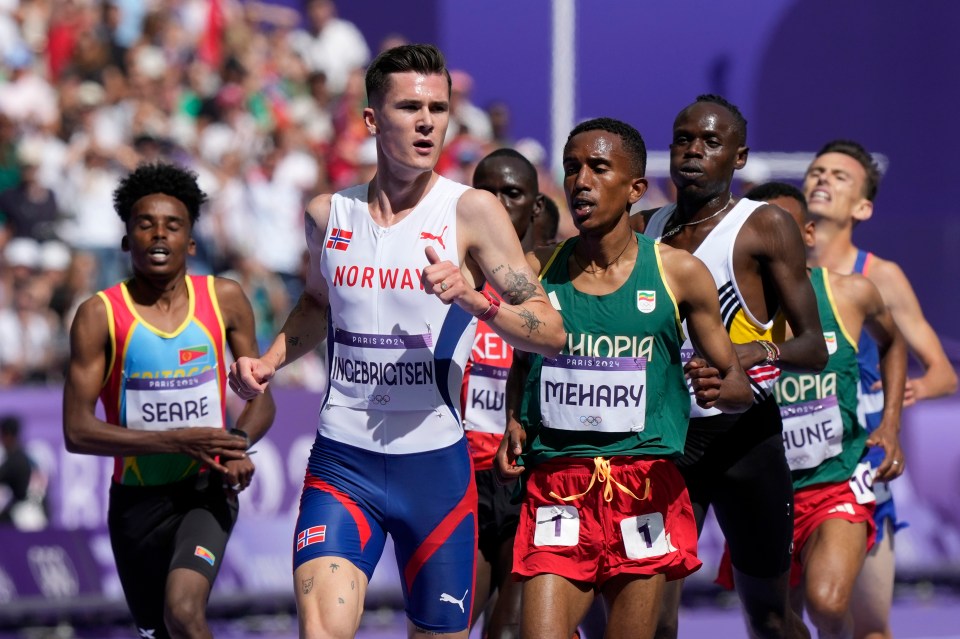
(591, 420)
(378, 399)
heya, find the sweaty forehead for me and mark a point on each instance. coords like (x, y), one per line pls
(506, 170)
(159, 204)
(840, 162)
(596, 143)
(706, 116)
(411, 84)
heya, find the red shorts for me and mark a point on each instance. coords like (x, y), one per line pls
(812, 506)
(606, 532)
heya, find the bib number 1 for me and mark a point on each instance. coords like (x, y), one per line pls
(644, 536)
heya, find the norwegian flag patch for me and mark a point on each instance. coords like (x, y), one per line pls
(339, 239)
(312, 535)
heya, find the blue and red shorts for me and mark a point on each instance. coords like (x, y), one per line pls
(352, 498)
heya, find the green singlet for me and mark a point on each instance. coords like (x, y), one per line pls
(821, 434)
(618, 387)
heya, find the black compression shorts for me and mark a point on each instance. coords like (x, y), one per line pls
(737, 465)
(497, 518)
(154, 529)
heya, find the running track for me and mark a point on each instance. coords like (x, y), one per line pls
(935, 618)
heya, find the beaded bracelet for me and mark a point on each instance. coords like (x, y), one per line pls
(773, 351)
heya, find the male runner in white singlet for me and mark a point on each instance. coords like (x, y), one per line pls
(395, 278)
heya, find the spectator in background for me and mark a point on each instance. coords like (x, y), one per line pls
(21, 256)
(331, 45)
(498, 114)
(26, 508)
(267, 293)
(27, 335)
(91, 225)
(27, 97)
(465, 116)
(79, 284)
(30, 208)
(9, 165)
(277, 191)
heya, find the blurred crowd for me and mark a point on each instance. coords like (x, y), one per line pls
(262, 101)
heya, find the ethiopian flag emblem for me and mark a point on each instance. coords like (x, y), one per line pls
(830, 337)
(193, 353)
(646, 301)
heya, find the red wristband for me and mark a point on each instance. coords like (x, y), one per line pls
(492, 310)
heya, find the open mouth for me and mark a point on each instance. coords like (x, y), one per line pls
(582, 206)
(158, 254)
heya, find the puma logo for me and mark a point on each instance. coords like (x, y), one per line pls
(450, 599)
(424, 235)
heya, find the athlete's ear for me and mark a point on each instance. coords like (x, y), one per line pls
(192, 247)
(370, 120)
(537, 206)
(863, 210)
(125, 244)
(638, 186)
(809, 233)
(743, 153)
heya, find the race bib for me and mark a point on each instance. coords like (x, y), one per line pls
(812, 432)
(861, 483)
(173, 402)
(644, 536)
(486, 390)
(385, 372)
(601, 394)
(557, 526)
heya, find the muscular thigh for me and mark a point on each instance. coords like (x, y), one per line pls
(154, 529)
(753, 501)
(432, 517)
(329, 592)
(341, 507)
(201, 538)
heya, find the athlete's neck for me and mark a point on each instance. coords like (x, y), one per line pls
(695, 208)
(391, 197)
(833, 248)
(162, 294)
(595, 252)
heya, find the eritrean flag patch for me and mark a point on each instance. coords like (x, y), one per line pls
(194, 354)
(339, 239)
(205, 554)
(312, 535)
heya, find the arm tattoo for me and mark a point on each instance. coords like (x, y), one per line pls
(310, 225)
(531, 321)
(519, 289)
(340, 601)
(306, 585)
(293, 341)
(353, 585)
(334, 567)
(497, 269)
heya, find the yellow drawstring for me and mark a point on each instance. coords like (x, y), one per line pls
(602, 472)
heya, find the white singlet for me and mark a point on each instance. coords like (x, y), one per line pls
(395, 354)
(716, 251)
